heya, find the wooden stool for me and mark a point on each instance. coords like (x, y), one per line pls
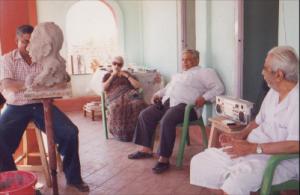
(44, 167)
(93, 109)
(218, 124)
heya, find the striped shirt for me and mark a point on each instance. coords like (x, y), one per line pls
(13, 66)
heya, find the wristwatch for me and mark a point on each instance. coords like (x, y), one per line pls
(259, 149)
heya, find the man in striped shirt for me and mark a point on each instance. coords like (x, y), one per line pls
(16, 66)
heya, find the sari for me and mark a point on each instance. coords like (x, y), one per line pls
(125, 104)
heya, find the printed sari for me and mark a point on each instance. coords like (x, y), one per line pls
(125, 104)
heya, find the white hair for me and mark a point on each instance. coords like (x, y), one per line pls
(285, 59)
(194, 53)
(119, 59)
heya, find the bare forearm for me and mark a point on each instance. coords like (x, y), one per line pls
(252, 125)
(107, 83)
(136, 84)
(284, 147)
(13, 85)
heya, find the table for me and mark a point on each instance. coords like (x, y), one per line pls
(151, 82)
(218, 124)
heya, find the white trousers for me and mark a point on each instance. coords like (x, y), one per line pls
(214, 169)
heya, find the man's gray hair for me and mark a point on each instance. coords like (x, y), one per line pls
(194, 53)
(286, 59)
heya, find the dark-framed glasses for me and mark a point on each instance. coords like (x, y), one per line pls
(117, 64)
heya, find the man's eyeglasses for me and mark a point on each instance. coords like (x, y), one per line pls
(117, 64)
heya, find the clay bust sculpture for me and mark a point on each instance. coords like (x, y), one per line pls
(45, 43)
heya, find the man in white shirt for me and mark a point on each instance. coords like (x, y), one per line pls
(195, 85)
(238, 167)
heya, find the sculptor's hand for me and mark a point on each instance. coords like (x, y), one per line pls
(29, 81)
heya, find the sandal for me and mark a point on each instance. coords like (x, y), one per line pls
(140, 155)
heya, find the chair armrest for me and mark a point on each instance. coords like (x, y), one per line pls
(270, 169)
(187, 111)
(189, 107)
(103, 98)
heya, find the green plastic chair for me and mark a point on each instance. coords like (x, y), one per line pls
(185, 138)
(104, 108)
(103, 111)
(267, 187)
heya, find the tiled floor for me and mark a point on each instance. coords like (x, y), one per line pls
(107, 170)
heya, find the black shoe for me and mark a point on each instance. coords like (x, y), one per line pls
(160, 167)
(37, 192)
(140, 155)
(82, 187)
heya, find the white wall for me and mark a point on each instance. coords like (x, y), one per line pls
(160, 35)
(216, 41)
(215, 38)
(133, 35)
(289, 23)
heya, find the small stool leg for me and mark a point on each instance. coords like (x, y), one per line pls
(93, 115)
(25, 148)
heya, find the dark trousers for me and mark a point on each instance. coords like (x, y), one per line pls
(169, 118)
(13, 122)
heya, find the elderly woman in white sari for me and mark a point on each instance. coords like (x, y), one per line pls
(237, 167)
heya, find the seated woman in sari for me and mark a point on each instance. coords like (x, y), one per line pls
(125, 103)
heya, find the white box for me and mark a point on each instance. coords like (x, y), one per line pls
(236, 109)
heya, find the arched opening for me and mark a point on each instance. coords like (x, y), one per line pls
(92, 36)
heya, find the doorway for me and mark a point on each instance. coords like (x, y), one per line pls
(260, 35)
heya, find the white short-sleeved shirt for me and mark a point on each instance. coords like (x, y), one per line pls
(277, 121)
(187, 86)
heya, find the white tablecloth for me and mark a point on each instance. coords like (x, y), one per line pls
(151, 82)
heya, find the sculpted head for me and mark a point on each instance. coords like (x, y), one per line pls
(46, 40)
(45, 43)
